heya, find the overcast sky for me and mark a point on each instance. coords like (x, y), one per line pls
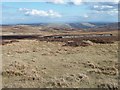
(58, 11)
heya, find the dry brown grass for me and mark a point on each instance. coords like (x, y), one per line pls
(49, 64)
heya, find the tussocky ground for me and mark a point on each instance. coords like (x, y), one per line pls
(41, 64)
(33, 63)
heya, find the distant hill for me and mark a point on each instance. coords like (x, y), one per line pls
(82, 25)
(106, 27)
(58, 25)
(75, 26)
(85, 26)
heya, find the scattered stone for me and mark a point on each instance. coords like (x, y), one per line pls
(108, 86)
(78, 43)
(87, 42)
(89, 64)
(94, 71)
(33, 60)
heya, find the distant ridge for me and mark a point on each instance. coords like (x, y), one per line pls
(83, 25)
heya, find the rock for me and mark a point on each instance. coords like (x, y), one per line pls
(88, 42)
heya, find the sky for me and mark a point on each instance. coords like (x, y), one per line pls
(58, 11)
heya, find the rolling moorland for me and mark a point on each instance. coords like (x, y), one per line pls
(70, 55)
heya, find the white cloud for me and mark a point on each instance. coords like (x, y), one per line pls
(106, 8)
(60, 1)
(86, 16)
(35, 12)
(76, 2)
(57, 1)
(112, 12)
(116, 1)
(102, 7)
